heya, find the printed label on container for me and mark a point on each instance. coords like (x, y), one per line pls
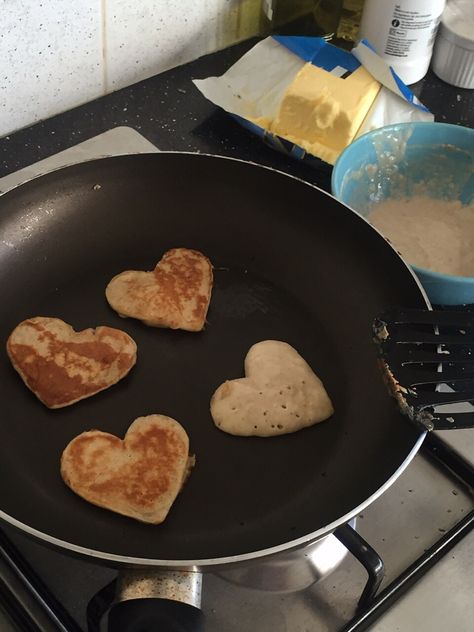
(410, 31)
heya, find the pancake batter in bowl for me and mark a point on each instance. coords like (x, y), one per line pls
(430, 233)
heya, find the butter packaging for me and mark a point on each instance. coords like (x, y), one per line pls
(310, 99)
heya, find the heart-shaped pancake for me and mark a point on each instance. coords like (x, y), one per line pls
(62, 366)
(176, 294)
(139, 476)
(280, 394)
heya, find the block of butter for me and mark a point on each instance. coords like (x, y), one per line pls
(309, 99)
(322, 112)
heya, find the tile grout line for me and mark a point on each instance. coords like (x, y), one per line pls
(103, 16)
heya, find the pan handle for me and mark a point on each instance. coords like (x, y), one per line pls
(155, 615)
(157, 601)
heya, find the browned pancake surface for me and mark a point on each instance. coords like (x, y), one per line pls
(139, 476)
(175, 294)
(62, 366)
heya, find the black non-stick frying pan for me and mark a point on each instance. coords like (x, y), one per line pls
(291, 263)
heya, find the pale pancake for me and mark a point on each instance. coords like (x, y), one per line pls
(62, 366)
(280, 394)
(139, 476)
(176, 294)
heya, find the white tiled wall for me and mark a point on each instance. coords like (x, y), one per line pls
(56, 54)
(138, 34)
(50, 58)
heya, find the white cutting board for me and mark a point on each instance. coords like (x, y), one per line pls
(114, 142)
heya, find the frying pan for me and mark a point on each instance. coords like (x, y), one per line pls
(290, 263)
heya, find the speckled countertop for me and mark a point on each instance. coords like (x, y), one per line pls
(170, 112)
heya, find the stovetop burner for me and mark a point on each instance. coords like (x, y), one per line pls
(29, 603)
(411, 527)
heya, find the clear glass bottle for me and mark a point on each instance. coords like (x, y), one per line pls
(349, 22)
(300, 17)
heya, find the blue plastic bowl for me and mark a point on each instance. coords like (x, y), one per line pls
(392, 160)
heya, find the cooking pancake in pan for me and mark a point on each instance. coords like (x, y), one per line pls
(139, 476)
(62, 366)
(176, 294)
(279, 394)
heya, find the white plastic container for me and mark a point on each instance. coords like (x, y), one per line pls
(403, 33)
(453, 56)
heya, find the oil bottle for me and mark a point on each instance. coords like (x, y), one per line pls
(301, 17)
(349, 22)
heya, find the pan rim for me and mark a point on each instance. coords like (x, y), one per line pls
(216, 563)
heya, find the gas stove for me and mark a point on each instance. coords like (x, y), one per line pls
(407, 565)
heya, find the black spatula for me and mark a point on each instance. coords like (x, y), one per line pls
(427, 359)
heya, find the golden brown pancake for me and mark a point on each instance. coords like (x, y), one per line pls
(62, 366)
(175, 294)
(139, 476)
(280, 394)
